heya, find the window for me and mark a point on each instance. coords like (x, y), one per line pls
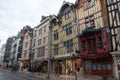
(26, 44)
(40, 31)
(109, 67)
(44, 40)
(56, 49)
(44, 28)
(90, 21)
(33, 51)
(83, 45)
(94, 66)
(103, 66)
(39, 41)
(56, 35)
(68, 29)
(34, 41)
(90, 3)
(67, 15)
(99, 67)
(34, 33)
(25, 53)
(55, 24)
(88, 65)
(40, 51)
(91, 46)
(99, 43)
(26, 36)
(69, 45)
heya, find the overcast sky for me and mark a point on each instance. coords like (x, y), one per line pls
(14, 14)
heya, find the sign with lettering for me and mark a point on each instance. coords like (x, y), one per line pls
(64, 55)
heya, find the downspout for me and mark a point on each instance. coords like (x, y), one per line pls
(49, 49)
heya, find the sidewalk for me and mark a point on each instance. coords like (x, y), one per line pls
(64, 77)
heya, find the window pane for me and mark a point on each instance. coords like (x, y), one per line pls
(109, 67)
(88, 65)
(99, 67)
(94, 66)
(104, 66)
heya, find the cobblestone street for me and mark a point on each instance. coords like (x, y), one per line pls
(8, 75)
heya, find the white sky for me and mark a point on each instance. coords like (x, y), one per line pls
(14, 14)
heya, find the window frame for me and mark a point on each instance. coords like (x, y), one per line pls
(56, 35)
(67, 15)
(56, 49)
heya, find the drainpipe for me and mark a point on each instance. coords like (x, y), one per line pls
(49, 49)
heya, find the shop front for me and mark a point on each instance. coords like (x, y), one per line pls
(98, 67)
(66, 65)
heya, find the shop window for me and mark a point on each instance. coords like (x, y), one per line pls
(88, 65)
(83, 45)
(99, 67)
(99, 43)
(94, 67)
(103, 66)
(109, 66)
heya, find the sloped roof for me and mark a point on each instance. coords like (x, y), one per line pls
(65, 5)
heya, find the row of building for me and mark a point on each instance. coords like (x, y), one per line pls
(83, 37)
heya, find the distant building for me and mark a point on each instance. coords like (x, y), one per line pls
(8, 48)
(16, 50)
(27, 33)
(2, 52)
(40, 44)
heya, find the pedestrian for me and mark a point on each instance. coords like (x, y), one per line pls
(56, 70)
(39, 69)
(60, 68)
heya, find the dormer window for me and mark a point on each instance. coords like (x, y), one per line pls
(67, 15)
(55, 24)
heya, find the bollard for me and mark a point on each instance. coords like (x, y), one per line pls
(75, 73)
(75, 76)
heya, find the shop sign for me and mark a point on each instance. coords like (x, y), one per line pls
(64, 55)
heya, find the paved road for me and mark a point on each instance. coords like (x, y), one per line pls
(7, 75)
